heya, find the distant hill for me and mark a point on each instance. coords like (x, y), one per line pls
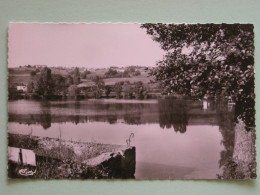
(21, 75)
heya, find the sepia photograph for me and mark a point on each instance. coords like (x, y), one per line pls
(148, 101)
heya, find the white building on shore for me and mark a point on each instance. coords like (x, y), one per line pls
(22, 88)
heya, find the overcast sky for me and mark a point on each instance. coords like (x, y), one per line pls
(89, 45)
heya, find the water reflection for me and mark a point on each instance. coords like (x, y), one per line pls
(202, 146)
(173, 114)
(168, 113)
(226, 127)
(226, 121)
(45, 116)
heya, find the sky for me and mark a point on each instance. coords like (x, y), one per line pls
(87, 45)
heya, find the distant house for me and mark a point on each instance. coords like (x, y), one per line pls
(22, 88)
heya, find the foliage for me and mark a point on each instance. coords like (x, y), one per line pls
(11, 70)
(76, 76)
(132, 70)
(108, 89)
(118, 89)
(30, 87)
(73, 91)
(84, 74)
(33, 73)
(13, 93)
(137, 73)
(43, 85)
(112, 73)
(126, 73)
(60, 85)
(99, 86)
(47, 84)
(205, 60)
(127, 90)
(139, 90)
(69, 80)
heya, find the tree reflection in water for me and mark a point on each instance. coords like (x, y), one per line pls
(168, 113)
(233, 167)
(173, 113)
(112, 119)
(226, 121)
(133, 119)
(45, 116)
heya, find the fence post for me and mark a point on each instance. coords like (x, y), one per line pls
(21, 156)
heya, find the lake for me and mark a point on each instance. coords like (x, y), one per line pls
(174, 139)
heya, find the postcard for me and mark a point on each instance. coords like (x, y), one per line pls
(131, 101)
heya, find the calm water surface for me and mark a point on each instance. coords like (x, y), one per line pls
(173, 138)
